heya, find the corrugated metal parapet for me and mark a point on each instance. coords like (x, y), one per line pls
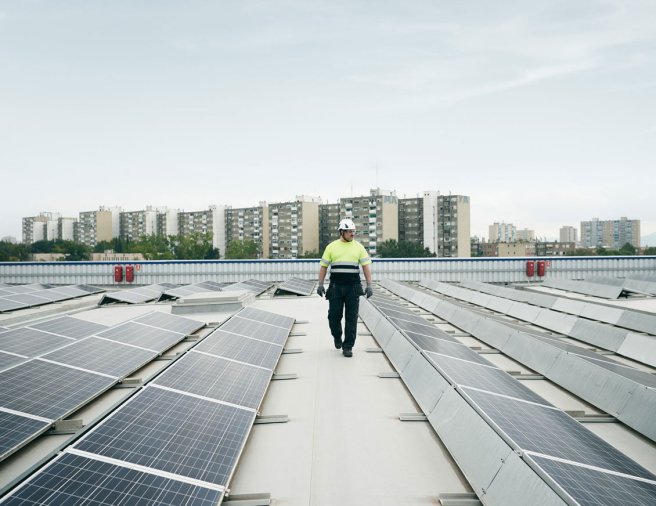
(497, 270)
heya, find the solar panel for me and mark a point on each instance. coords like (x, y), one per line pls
(17, 431)
(217, 378)
(256, 329)
(73, 479)
(550, 431)
(429, 330)
(168, 321)
(70, 327)
(28, 299)
(136, 295)
(243, 349)
(266, 317)
(30, 342)
(251, 285)
(296, 286)
(182, 291)
(643, 378)
(483, 377)
(451, 349)
(595, 486)
(142, 335)
(94, 354)
(7, 360)
(49, 390)
(175, 433)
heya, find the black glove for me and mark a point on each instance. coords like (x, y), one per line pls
(321, 291)
(368, 291)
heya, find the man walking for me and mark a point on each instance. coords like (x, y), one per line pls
(344, 257)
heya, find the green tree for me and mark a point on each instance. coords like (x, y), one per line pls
(42, 246)
(580, 252)
(311, 254)
(627, 249)
(117, 245)
(241, 249)
(10, 252)
(403, 249)
(195, 246)
(651, 250)
(154, 247)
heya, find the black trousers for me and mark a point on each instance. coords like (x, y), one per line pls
(344, 299)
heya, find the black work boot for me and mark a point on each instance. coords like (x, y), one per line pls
(347, 352)
(338, 342)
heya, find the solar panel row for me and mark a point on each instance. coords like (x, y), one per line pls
(136, 295)
(250, 285)
(72, 370)
(548, 438)
(178, 440)
(182, 291)
(23, 296)
(295, 286)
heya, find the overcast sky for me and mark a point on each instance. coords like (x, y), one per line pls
(543, 112)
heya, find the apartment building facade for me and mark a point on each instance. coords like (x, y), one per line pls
(95, 226)
(568, 234)
(502, 232)
(453, 226)
(376, 217)
(34, 228)
(610, 233)
(248, 223)
(329, 216)
(294, 228)
(136, 224)
(209, 221)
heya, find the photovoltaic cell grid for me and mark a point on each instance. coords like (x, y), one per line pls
(49, 390)
(17, 430)
(93, 354)
(9, 360)
(243, 349)
(30, 342)
(256, 329)
(171, 322)
(175, 433)
(592, 486)
(251, 285)
(68, 326)
(144, 336)
(182, 291)
(23, 296)
(136, 295)
(295, 286)
(73, 479)
(551, 432)
(217, 378)
(491, 379)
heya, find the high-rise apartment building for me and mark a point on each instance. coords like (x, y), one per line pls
(502, 232)
(328, 222)
(210, 221)
(610, 233)
(167, 222)
(95, 226)
(525, 235)
(248, 223)
(453, 226)
(568, 234)
(136, 224)
(294, 227)
(411, 220)
(34, 229)
(66, 228)
(376, 217)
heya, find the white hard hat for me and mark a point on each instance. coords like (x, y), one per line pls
(346, 224)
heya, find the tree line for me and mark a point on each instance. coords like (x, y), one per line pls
(197, 246)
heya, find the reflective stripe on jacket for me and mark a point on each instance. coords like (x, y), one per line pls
(344, 259)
